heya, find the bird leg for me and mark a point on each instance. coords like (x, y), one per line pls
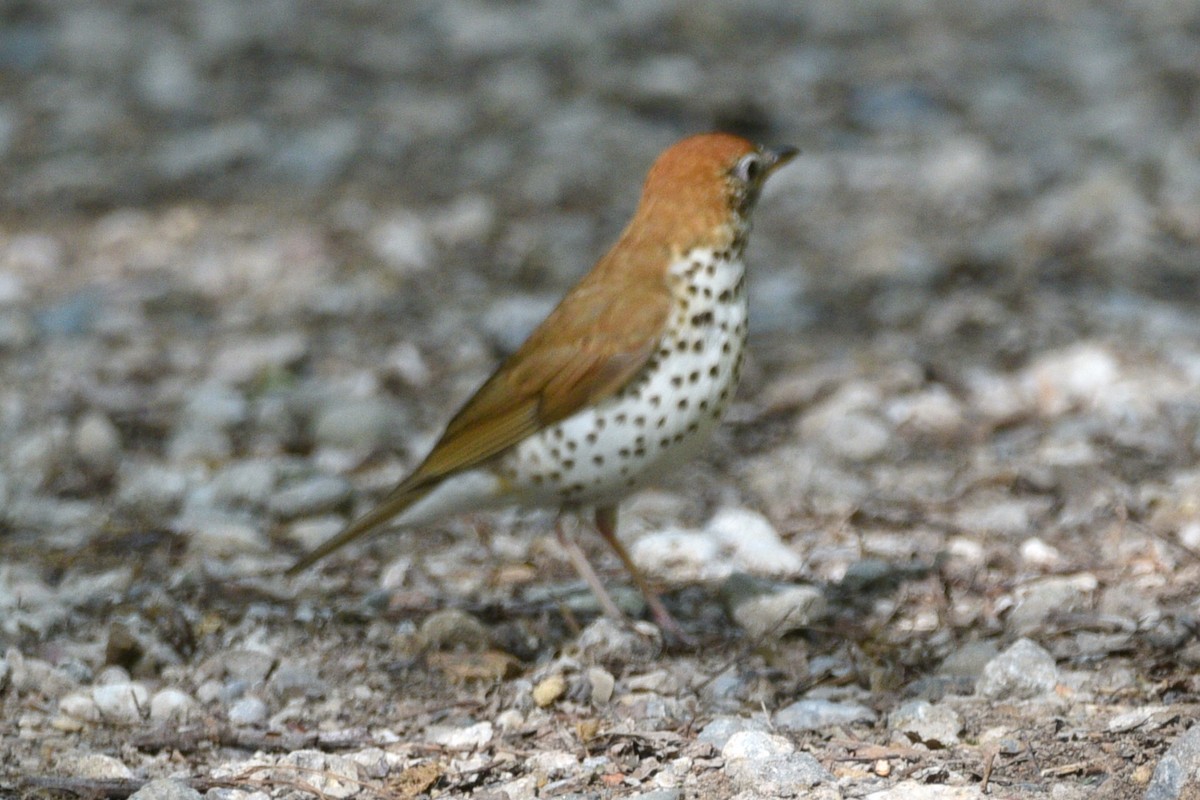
(606, 525)
(582, 566)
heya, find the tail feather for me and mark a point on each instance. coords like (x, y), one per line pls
(393, 505)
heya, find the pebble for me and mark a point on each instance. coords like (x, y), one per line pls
(549, 690)
(452, 629)
(95, 767)
(165, 789)
(367, 423)
(1039, 601)
(617, 647)
(816, 714)
(1025, 670)
(754, 543)
(763, 609)
(769, 764)
(680, 556)
(247, 711)
(472, 737)
(248, 358)
(80, 706)
(936, 726)
(403, 243)
(251, 666)
(293, 679)
(311, 497)
(172, 705)
(150, 490)
(602, 683)
(1177, 769)
(97, 441)
(914, 790)
(719, 729)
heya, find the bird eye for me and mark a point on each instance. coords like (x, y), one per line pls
(749, 169)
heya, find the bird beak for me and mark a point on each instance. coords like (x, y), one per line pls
(776, 157)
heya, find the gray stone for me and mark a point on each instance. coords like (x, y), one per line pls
(292, 679)
(769, 764)
(121, 703)
(361, 424)
(718, 731)
(817, 714)
(1178, 768)
(767, 609)
(452, 629)
(617, 647)
(1022, 671)
(251, 666)
(248, 711)
(165, 789)
(311, 497)
(936, 726)
(172, 705)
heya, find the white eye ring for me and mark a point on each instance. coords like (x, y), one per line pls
(749, 168)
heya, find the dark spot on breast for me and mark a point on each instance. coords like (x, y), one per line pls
(655, 400)
(703, 405)
(537, 479)
(558, 433)
(714, 371)
(598, 460)
(620, 418)
(707, 293)
(726, 347)
(677, 381)
(639, 421)
(693, 427)
(682, 404)
(623, 452)
(681, 345)
(571, 445)
(569, 464)
(711, 269)
(591, 438)
(640, 452)
(556, 476)
(664, 442)
(694, 377)
(697, 345)
(725, 296)
(661, 422)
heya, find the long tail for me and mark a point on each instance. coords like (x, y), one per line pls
(394, 504)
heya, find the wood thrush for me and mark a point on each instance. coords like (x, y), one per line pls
(624, 379)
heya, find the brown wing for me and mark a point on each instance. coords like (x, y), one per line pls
(590, 346)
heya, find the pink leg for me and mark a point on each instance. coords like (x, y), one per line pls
(606, 524)
(584, 567)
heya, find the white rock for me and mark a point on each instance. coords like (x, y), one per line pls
(754, 542)
(403, 243)
(79, 705)
(97, 441)
(473, 737)
(1061, 380)
(247, 711)
(552, 763)
(172, 705)
(788, 609)
(680, 555)
(1037, 553)
(756, 746)
(1024, 670)
(121, 703)
(95, 766)
(602, 683)
(914, 790)
(933, 725)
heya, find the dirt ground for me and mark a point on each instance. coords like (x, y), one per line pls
(945, 545)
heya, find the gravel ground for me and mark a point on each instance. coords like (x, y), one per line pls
(253, 254)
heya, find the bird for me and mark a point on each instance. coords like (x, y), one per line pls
(625, 378)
